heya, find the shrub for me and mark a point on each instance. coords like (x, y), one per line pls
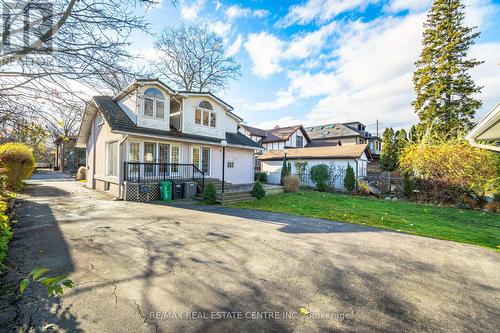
(284, 172)
(5, 230)
(320, 175)
(81, 173)
(493, 206)
(18, 161)
(349, 179)
(364, 188)
(407, 186)
(210, 195)
(261, 177)
(300, 169)
(258, 190)
(291, 183)
(450, 171)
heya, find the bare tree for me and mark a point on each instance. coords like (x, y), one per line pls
(59, 43)
(193, 59)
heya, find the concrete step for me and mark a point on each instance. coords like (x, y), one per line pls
(236, 195)
(230, 201)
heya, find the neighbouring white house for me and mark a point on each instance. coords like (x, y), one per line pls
(338, 157)
(486, 134)
(149, 132)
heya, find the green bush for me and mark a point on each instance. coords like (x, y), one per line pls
(449, 172)
(210, 195)
(349, 179)
(18, 163)
(320, 175)
(261, 177)
(408, 187)
(258, 191)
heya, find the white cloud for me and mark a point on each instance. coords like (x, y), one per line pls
(235, 11)
(283, 121)
(265, 51)
(190, 11)
(320, 10)
(395, 6)
(220, 28)
(283, 99)
(303, 46)
(235, 46)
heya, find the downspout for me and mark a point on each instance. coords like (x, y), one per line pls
(120, 163)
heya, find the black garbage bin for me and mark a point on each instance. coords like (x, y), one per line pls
(177, 191)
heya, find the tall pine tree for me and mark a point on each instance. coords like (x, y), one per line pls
(442, 83)
(389, 150)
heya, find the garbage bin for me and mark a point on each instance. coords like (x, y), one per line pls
(166, 190)
(190, 189)
(177, 190)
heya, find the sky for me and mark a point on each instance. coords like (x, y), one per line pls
(325, 61)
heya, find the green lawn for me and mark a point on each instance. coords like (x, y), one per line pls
(466, 226)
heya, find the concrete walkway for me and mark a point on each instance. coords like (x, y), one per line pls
(146, 268)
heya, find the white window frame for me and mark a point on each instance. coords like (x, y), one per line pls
(154, 99)
(200, 155)
(210, 113)
(230, 164)
(107, 143)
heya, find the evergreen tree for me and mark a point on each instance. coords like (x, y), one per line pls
(401, 141)
(413, 135)
(349, 179)
(442, 83)
(389, 152)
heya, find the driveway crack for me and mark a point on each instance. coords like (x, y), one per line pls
(155, 324)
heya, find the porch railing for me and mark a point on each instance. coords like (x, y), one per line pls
(143, 172)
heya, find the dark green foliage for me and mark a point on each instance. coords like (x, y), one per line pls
(210, 195)
(446, 96)
(388, 157)
(320, 175)
(394, 143)
(408, 187)
(258, 190)
(261, 177)
(349, 179)
(284, 172)
(413, 136)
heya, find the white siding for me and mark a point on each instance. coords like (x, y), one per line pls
(222, 124)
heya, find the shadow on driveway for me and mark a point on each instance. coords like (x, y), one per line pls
(37, 242)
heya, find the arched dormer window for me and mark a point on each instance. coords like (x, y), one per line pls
(154, 103)
(204, 115)
(206, 105)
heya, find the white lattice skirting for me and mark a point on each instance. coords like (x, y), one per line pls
(142, 192)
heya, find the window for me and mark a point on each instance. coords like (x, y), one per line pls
(149, 152)
(230, 164)
(201, 158)
(197, 116)
(300, 141)
(154, 103)
(112, 158)
(213, 117)
(133, 151)
(205, 118)
(204, 115)
(175, 158)
(361, 141)
(206, 105)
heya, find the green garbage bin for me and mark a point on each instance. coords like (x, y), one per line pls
(166, 190)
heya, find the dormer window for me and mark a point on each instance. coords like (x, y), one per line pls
(154, 103)
(204, 115)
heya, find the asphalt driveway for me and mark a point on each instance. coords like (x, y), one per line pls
(146, 268)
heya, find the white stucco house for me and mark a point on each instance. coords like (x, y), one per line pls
(357, 156)
(149, 132)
